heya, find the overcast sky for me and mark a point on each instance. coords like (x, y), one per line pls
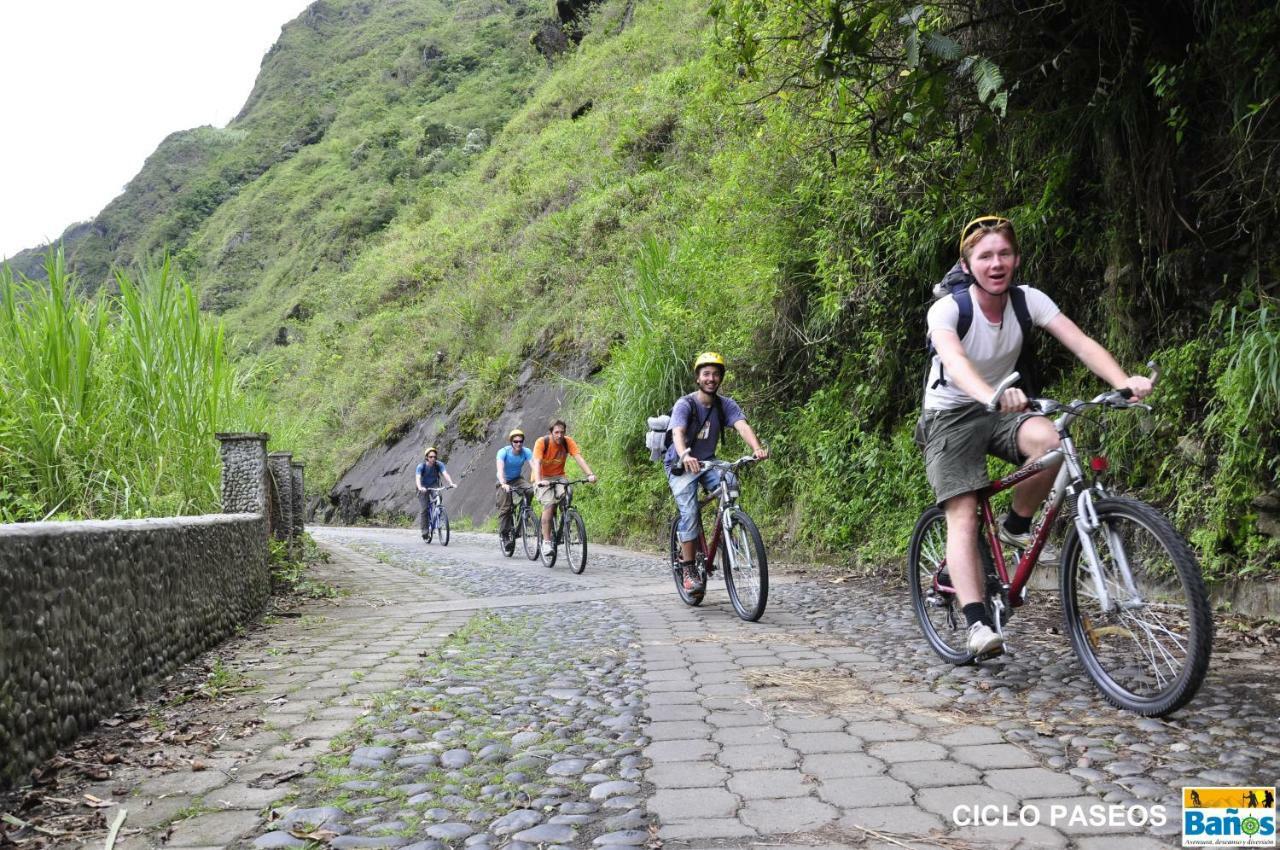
(88, 88)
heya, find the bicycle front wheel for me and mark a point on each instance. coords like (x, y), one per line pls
(673, 563)
(746, 567)
(937, 612)
(1148, 648)
(575, 540)
(529, 534)
(443, 529)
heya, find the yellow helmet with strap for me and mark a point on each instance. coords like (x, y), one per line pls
(708, 358)
(515, 432)
(429, 450)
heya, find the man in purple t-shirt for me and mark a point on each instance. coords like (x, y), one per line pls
(697, 421)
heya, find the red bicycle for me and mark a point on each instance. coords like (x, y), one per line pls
(735, 534)
(1133, 597)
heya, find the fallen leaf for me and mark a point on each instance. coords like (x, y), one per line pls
(199, 765)
(97, 802)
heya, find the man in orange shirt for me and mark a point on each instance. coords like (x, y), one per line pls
(549, 454)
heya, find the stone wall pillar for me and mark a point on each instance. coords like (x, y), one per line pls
(298, 506)
(244, 473)
(281, 520)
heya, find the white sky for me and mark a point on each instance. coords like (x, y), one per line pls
(89, 88)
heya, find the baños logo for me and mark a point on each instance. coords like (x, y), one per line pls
(1229, 817)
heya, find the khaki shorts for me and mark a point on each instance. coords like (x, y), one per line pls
(550, 489)
(956, 443)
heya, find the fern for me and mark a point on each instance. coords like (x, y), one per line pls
(987, 76)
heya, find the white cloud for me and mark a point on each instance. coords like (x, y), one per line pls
(88, 89)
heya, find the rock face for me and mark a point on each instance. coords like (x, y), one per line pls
(382, 481)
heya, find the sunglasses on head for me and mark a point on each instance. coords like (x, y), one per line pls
(982, 222)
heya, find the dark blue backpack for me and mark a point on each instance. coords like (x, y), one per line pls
(956, 283)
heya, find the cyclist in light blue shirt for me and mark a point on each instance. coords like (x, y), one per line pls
(509, 466)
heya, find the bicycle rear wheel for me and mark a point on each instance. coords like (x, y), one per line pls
(673, 562)
(443, 526)
(575, 540)
(938, 612)
(746, 566)
(529, 533)
(1148, 650)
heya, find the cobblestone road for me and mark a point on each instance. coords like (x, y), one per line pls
(457, 698)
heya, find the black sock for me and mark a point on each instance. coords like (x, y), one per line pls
(976, 612)
(1016, 523)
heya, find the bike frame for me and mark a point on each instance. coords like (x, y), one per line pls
(434, 502)
(1070, 480)
(722, 494)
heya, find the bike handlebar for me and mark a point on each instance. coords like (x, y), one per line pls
(1121, 398)
(745, 460)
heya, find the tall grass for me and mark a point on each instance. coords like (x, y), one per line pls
(109, 405)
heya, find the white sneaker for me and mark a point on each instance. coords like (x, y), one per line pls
(546, 549)
(984, 641)
(1049, 555)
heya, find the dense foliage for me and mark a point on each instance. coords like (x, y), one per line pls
(109, 405)
(415, 206)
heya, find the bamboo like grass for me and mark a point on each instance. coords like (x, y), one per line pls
(109, 405)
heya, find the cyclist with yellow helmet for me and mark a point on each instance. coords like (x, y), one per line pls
(698, 422)
(956, 430)
(427, 475)
(509, 466)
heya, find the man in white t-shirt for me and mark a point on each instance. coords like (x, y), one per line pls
(956, 430)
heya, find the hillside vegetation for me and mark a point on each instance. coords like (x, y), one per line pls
(415, 204)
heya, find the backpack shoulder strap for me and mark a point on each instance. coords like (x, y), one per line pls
(964, 304)
(718, 407)
(1018, 297)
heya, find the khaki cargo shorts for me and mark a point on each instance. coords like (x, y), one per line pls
(550, 489)
(956, 443)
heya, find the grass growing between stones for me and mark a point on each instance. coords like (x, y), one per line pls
(518, 714)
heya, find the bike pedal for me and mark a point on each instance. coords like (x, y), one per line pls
(990, 654)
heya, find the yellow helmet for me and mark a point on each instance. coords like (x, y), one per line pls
(515, 432)
(708, 358)
(429, 449)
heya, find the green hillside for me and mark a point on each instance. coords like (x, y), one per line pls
(415, 204)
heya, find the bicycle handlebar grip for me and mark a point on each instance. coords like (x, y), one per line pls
(1125, 392)
(1004, 385)
(1155, 371)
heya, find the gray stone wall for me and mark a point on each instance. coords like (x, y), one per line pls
(299, 510)
(93, 612)
(279, 465)
(244, 472)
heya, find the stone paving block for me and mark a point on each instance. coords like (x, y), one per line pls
(686, 774)
(895, 752)
(320, 729)
(964, 736)
(810, 743)
(725, 690)
(1033, 781)
(711, 828)
(722, 677)
(781, 817)
(944, 801)
(688, 803)
(865, 791)
(770, 784)
(728, 719)
(213, 830)
(240, 796)
(668, 713)
(153, 811)
(677, 730)
(674, 698)
(1022, 837)
(688, 750)
(804, 723)
(900, 820)
(747, 735)
(930, 774)
(883, 730)
(1124, 842)
(993, 756)
(183, 782)
(672, 675)
(841, 765)
(757, 757)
